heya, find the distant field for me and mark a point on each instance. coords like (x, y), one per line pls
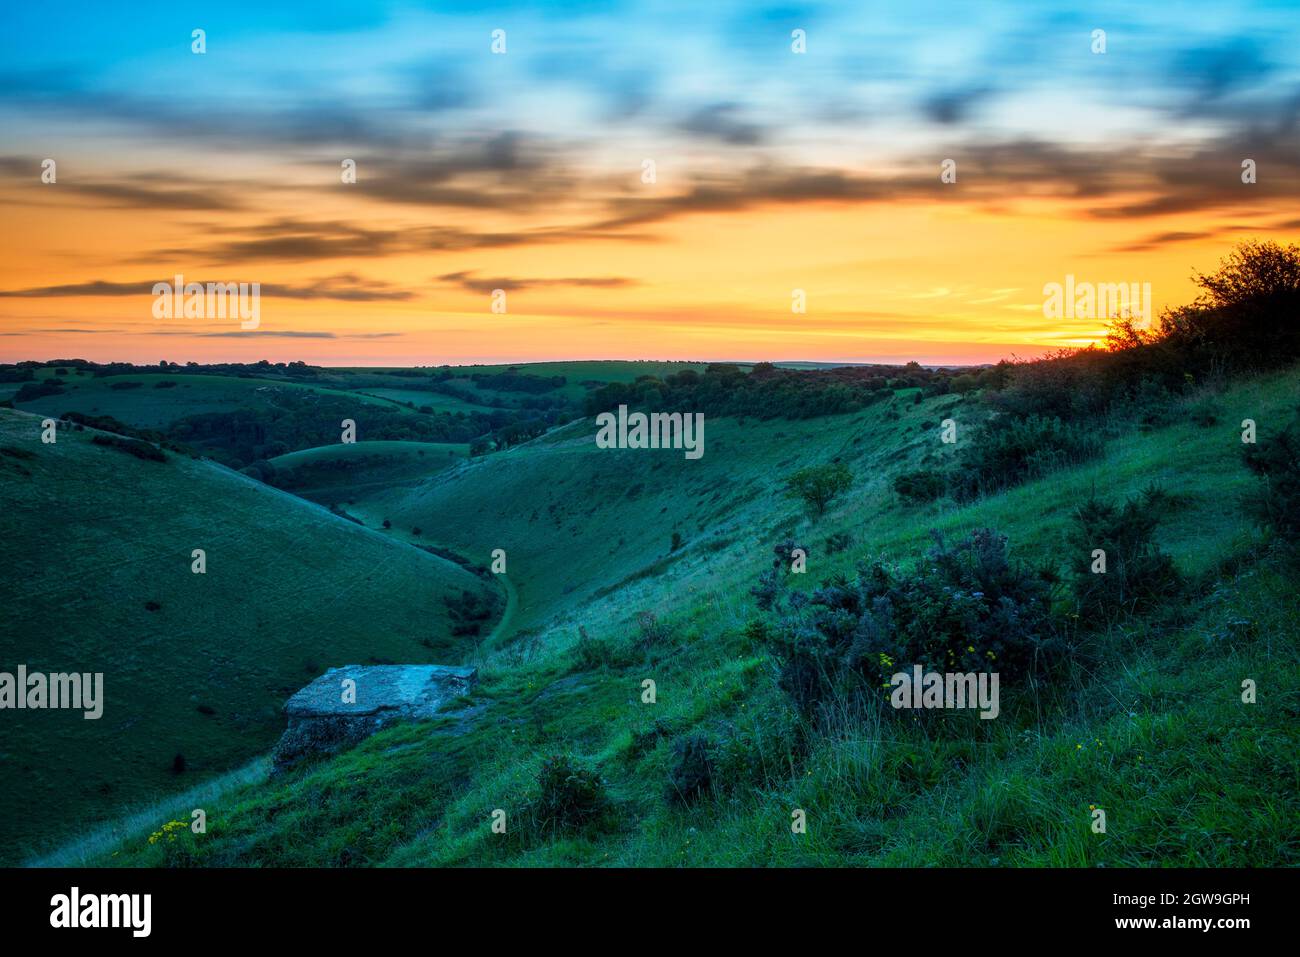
(96, 547)
(149, 406)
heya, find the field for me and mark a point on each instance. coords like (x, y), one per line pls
(1153, 728)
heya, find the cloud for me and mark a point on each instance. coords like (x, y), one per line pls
(467, 280)
(343, 287)
(720, 121)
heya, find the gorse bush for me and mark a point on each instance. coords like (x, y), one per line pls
(569, 796)
(771, 581)
(922, 485)
(964, 607)
(1138, 576)
(692, 773)
(1007, 450)
(591, 653)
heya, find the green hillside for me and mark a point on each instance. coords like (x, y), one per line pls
(1152, 729)
(97, 553)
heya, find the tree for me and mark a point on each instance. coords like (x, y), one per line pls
(818, 485)
(1246, 313)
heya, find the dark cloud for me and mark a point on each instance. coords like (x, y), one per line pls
(722, 122)
(468, 280)
(344, 287)
(97, 287)
(949, 107)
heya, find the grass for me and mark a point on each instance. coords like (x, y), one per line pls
(1150, 726)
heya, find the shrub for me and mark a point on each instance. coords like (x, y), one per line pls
(1276, 460)
(568, 797)
(650, 631)
(141, 450)
(1138, 574)
(819, 485)
(592, 653)
(961, 608)
(468, 612)
(692, 772)
(838, 542)
(38, 390)
(1204, 413)
(1007, 450)
(770, 582)
(922, 485)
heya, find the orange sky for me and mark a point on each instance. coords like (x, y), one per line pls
(937, 281)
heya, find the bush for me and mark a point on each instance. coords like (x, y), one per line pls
(961, 608)
(592, 653)
(38, 390)
(692, 773)
(1138, 575)
(1007, 450)
(650, 631)
(770, 582)
(819, 485)
(1276, 460)
(568, 797)
(141, 450)
(1204, 413)
(923, 485)
(838, 542)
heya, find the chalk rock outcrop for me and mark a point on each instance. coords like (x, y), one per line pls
(347, 704)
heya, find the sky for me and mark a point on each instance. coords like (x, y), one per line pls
(628, 180)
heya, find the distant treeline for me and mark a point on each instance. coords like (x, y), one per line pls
(25, 371)
(768, 392)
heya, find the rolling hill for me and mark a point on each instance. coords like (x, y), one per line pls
(97, 557)
(1155, 730)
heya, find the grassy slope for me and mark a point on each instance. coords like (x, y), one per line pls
(1157, 734)
(352, 473)
(89, 534)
